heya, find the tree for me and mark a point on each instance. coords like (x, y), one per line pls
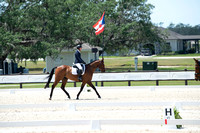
(185, 29)
(128, 24)
(32, 29)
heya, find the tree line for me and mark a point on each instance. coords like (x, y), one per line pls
(185, 29)
(32, 29)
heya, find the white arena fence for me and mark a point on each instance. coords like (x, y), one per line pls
(107, 77)
(73, 106)
(96, 124)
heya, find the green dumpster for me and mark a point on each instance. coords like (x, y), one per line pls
(150, 65)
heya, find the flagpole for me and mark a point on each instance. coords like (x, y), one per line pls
(103, 45)
(103, 42)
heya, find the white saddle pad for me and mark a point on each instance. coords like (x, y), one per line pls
(80, 66)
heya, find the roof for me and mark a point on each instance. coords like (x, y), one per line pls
(191, 37)
(175, 36)
(85, 47)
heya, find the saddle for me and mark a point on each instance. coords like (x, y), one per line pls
(76, 67)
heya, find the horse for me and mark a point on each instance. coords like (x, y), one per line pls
(64, 72)
(197, 69)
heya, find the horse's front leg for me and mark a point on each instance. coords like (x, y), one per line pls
(82, 86)
(91, 85)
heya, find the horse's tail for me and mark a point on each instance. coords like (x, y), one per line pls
(50, 77)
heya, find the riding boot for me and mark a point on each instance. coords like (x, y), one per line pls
(80, 78)
(79, 75)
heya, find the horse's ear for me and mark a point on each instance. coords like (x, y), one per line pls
(195, 60)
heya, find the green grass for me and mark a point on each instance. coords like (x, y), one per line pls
(124, 64)
(171, 55)
(150, 83)
(39, 85)
(34, 68)
(180, 55)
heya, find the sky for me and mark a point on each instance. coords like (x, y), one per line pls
(175, 11)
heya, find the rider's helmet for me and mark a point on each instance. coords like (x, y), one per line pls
(79, 46)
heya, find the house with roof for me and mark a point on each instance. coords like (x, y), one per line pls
(180, 42)
(176, 42)
(66, 57)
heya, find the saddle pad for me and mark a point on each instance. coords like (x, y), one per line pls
(80, 66)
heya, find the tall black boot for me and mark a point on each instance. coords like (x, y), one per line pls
(79, 75)
(80, 78)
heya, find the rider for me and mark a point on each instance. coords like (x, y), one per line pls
(78, 59)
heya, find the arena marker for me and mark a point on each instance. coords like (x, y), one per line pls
(169, 115)
(165, 121)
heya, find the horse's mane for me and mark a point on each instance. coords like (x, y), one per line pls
(92, 62)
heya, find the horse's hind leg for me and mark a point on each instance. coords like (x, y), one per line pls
(91, 85)
(82, 86)
(64, 81)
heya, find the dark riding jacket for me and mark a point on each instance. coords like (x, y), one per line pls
(78, 58)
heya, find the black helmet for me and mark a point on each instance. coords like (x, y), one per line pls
(79, 46)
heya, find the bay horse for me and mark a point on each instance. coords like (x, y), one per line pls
(64, 72)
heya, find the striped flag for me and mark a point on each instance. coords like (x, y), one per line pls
(99, 26)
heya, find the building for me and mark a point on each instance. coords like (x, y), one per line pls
(176, 42)
(66, 57)
(180, 42)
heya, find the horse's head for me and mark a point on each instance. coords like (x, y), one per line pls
(101, 65)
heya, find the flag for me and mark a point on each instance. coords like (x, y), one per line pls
(99, 26)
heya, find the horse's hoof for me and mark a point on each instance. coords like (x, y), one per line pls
(49, 98)
(77, 98)
(99, 97)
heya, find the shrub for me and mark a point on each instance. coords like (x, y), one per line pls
(192, 50)
(177, 116)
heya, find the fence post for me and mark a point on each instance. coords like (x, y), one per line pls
(95, 125)
(74, 84)
(157, 82)
(101, 83)
(96, 83)
(129, 83)
(186, 82)
(72, 107)
(20, 85)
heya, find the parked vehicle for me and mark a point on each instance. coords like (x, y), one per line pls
(146, 52)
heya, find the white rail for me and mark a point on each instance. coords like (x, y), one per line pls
(96, 124)
(73, 106)
(105, 77)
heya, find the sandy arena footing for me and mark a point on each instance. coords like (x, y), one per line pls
(13, 103)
